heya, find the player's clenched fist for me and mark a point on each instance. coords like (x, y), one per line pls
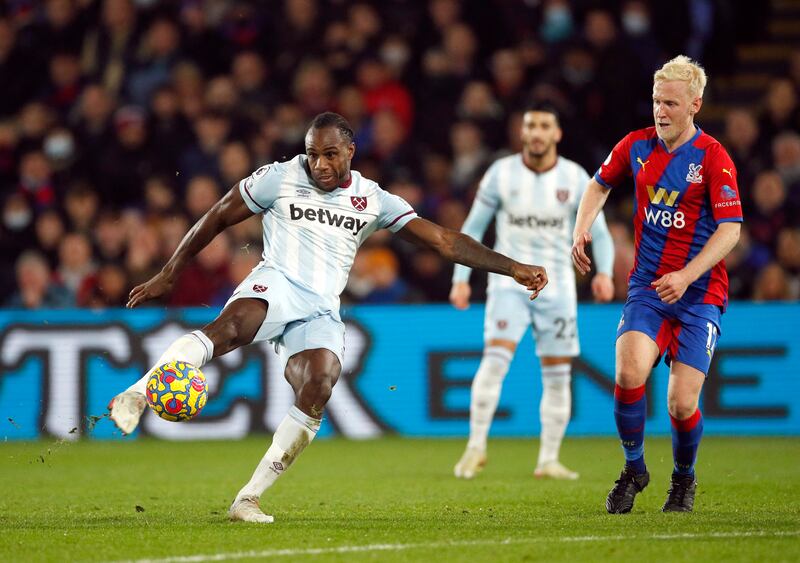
(671, 287)
(534, 278)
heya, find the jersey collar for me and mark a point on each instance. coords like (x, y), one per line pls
(688, 143)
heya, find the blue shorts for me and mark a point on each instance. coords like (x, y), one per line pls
(685, 332)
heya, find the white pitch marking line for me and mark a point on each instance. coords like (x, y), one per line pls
(464, 543)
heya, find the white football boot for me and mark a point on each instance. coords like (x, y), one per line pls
(470, 464)
(247, 509)
(554, 470)
(126, 409)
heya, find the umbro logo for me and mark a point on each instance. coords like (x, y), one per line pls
(260, 288)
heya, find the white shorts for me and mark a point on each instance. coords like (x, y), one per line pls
(555, 330)
(297, 319)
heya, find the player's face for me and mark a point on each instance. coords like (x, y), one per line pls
(540, 133)
(673, 108)
(329, 155)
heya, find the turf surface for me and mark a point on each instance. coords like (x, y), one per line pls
(390, 500)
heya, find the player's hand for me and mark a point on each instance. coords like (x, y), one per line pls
(155, 287)
(671, 287)
(534, 278)
(602, 288)
(459, 295)
(579, 256)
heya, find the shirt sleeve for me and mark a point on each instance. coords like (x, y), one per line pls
(486, 204)
(260, 189)
(602, 246)
(723, 188)
(395, 211)
(617, 166)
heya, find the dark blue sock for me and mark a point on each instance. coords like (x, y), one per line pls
(686, 435)
(630, 410)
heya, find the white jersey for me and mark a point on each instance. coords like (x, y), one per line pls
(310, 235)
(534, 218)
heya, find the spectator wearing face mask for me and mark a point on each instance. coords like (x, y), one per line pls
(16, 232)
(638, 36)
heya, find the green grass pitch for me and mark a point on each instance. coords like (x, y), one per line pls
(390, 500)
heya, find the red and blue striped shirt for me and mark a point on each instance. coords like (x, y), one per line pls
(680, 197)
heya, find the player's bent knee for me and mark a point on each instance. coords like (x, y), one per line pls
(629, 377)
(681, 408)
(312, 374)
(315, 393)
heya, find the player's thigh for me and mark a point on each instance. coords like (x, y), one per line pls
(636, 353)
(555, 329)
(683, 392)
(507, 318)
(312, 350)
(236, 325)
(643, 334)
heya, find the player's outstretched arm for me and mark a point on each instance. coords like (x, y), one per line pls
(229, 210)
(458, 247)
(593, 200)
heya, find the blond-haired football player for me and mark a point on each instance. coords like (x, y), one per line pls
(687, 218)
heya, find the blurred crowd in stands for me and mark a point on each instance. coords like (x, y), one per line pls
(123, 121)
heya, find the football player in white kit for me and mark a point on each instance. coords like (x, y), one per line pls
(316, 212)
(533, 197)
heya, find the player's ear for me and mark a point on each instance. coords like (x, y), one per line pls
(351, 151)
(697, 103)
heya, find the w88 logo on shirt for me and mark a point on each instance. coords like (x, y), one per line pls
(664, 218)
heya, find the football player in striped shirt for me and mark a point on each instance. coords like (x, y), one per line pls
(533, 197)
(687, 218)
(316, 212)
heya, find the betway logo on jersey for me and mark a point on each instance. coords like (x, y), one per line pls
(658, 194)
(534, 221)
(327, 217)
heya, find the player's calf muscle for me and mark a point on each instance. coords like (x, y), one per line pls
(312, 374)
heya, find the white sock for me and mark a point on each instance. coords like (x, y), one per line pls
(294, 433)
(486, 387)
(554, 410)
(194, 348)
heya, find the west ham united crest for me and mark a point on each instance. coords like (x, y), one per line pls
(360, 203)
(562, 194)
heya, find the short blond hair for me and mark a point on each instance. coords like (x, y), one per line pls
(686, 70)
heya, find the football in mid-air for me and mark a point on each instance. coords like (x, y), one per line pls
(177, 391)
